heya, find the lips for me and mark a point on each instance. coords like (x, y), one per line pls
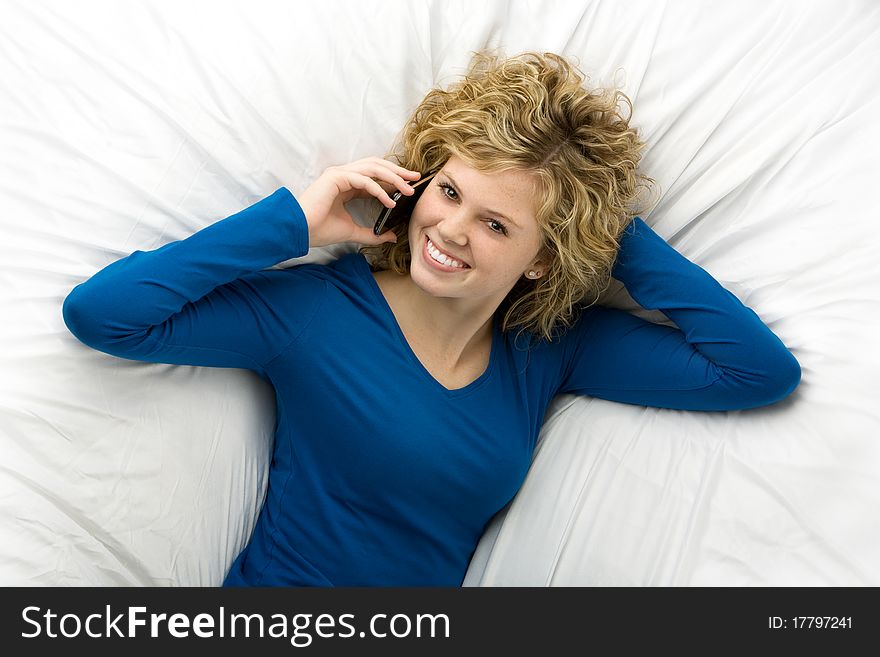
(448, 255)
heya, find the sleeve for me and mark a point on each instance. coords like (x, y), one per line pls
(722, 357)
(203, 300)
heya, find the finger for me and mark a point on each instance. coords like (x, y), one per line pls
(365, 236)
(377, 167)
(387, 236)
(401, 171)
(393, 174)
(360, 181)
(387, 186)
(387, 174)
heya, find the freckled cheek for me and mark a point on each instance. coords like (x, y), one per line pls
(422, 212)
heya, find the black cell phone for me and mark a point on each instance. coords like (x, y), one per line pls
(391, 217)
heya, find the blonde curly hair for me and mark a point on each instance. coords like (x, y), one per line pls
(531, 113)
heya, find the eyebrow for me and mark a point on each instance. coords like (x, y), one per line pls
(498, 214)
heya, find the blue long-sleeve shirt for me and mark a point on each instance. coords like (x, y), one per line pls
(380, 475)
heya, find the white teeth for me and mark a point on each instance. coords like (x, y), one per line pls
(443, 259)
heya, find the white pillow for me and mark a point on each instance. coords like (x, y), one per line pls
(127, 126)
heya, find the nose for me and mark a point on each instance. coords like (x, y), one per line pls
(453, 227)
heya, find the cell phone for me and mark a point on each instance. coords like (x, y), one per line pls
(391, 217)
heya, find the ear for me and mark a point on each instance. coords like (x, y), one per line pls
(542, 261)
(539, 266)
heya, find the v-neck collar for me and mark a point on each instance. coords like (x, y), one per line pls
(383, 302)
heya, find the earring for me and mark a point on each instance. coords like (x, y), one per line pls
(533, 274)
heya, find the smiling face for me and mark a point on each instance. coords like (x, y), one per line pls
(485, 222)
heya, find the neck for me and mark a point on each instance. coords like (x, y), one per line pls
(453, 327)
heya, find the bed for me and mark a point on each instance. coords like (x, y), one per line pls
(129, 125)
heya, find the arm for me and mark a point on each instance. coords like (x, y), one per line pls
(722, 358)
(203, 300)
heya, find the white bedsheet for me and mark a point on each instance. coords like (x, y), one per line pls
(124, 126)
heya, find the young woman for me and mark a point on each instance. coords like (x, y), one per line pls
(412, 377)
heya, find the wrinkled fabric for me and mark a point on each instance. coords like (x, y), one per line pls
(380, 475)
(128, 126)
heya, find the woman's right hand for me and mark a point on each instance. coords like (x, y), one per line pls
(324, 201)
